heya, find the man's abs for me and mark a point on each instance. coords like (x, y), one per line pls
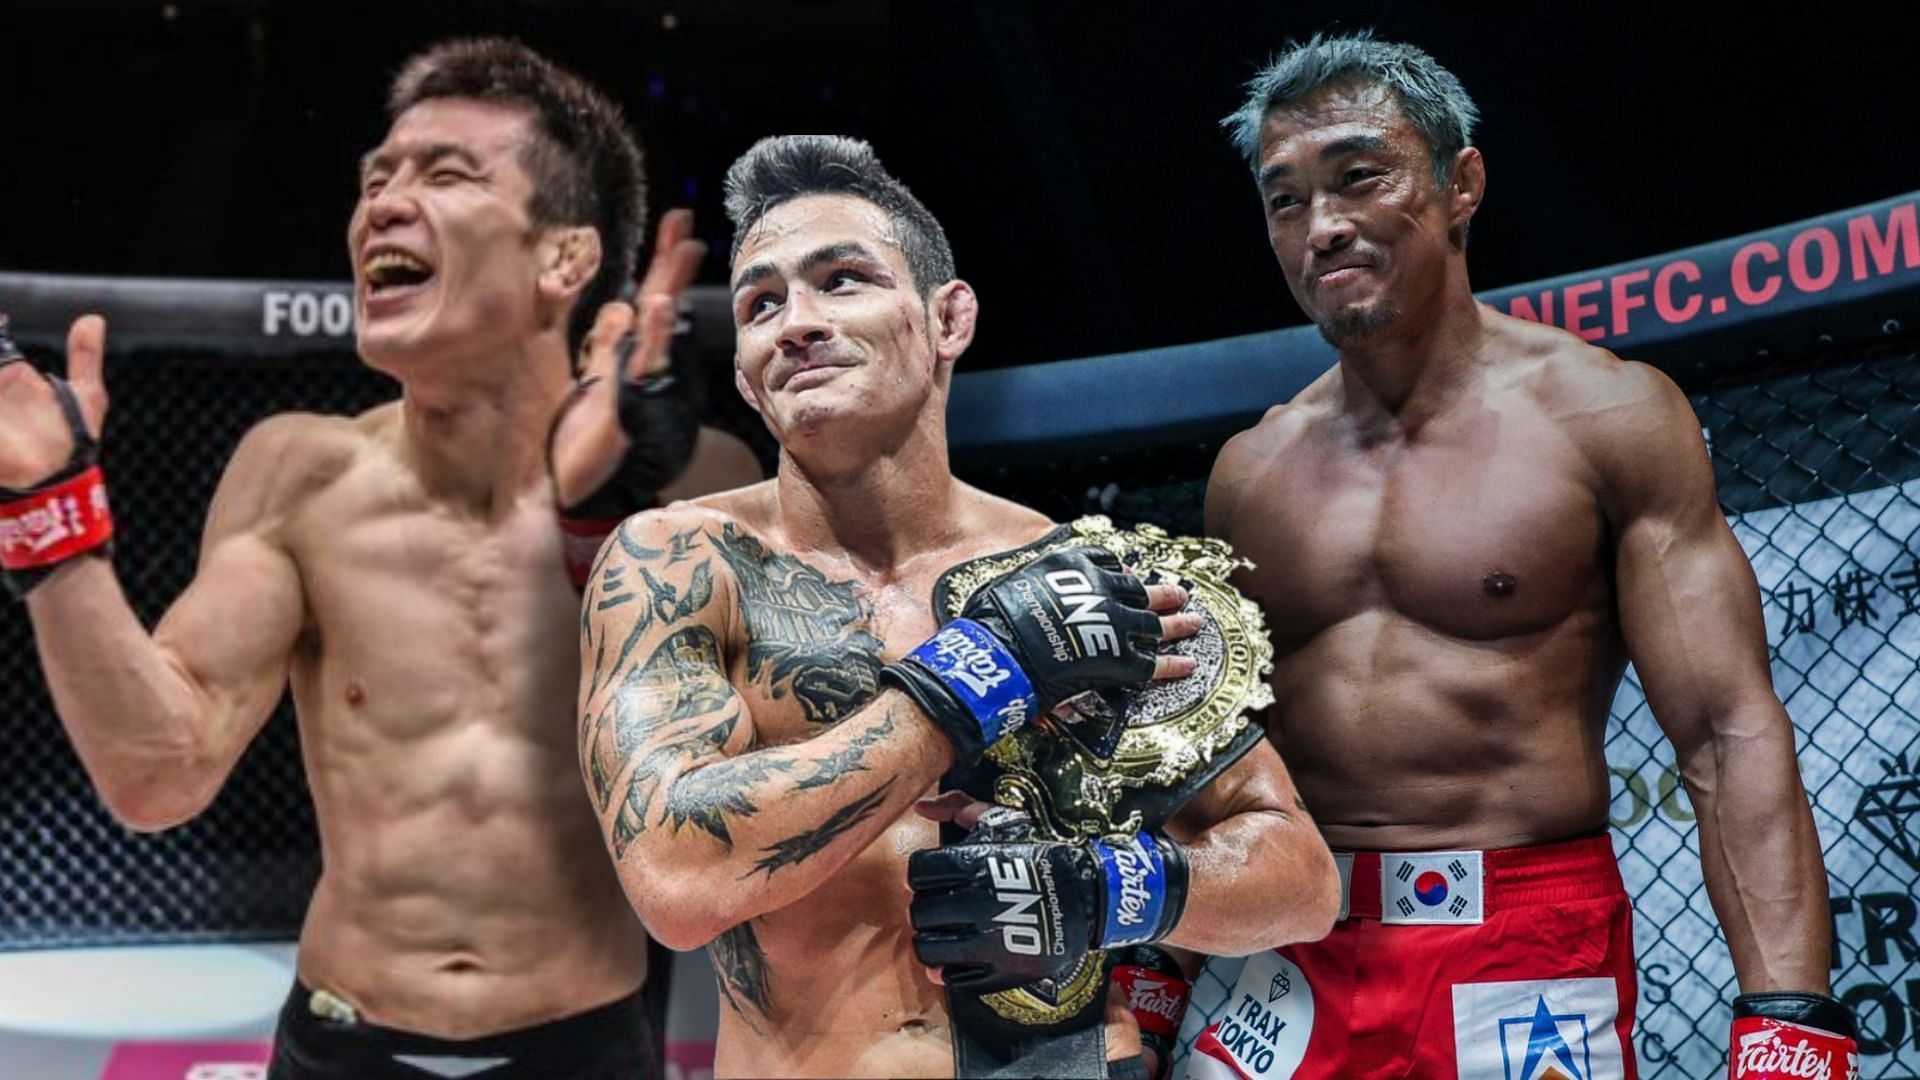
(465, 890)
(1401, 738)
(829, 986)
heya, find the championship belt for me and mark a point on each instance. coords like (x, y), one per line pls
(1106, 765)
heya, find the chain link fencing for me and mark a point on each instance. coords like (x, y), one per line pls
(1819, 470)
(1819, 473)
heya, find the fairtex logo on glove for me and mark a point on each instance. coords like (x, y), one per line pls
(1155, 997)
(1136, 889)
(1766, 1049)
(974, 664)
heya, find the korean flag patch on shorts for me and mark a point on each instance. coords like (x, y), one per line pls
(1430, 887)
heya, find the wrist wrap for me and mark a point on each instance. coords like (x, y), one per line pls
(1791, 1033)
(1157, 992)
(964, 678)
(62, 517)
(662, 425)
(1146, 889)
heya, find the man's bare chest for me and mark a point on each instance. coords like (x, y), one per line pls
(1479, 538)
(427, 615)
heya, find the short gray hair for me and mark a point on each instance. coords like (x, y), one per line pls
(1430, 96)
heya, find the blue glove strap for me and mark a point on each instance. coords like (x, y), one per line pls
(982, 674)
(1136, 890)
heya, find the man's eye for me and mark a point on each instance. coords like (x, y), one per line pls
(371, 186)
(840, 278)
(446, 176)
(761, 305)
(1354, 176)
(1281, 202)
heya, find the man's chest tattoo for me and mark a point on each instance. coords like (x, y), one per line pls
(807, 635)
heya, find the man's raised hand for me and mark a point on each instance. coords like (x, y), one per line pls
(36, 440)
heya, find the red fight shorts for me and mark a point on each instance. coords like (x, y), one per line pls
(1494, 965)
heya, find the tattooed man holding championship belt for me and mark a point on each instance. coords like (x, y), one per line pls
(768, 692)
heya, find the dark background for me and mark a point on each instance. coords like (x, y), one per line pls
(1071, 149)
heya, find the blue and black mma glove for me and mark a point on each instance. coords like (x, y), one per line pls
(999, 910)
(1066, 623)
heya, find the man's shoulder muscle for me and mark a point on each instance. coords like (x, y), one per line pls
(280, 465)
(1580, 384)
(1629, 422)
(1005, 520)
(1620, 413)
(662, 539)
(1251, 454)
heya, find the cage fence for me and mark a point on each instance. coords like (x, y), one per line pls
(1818, 470)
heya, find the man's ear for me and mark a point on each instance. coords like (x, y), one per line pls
(740, 384)
(569, 258)
(951, 314)
(1467, 185)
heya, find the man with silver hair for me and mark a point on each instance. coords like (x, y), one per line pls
(1463, 533)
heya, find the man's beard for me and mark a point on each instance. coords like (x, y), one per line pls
(1356, 323)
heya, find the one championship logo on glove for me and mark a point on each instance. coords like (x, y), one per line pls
(1164, 741)
(1083, 606)
(1019, 918)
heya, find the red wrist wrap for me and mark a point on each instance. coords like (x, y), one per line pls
(580, 540)
(50, 525)
(1762, 1048)
(1156, 999)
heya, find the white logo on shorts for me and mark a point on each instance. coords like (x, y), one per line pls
(1260, 1034)
(226, 1070)
(1538, 1029)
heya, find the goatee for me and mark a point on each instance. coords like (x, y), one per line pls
(1352, 325)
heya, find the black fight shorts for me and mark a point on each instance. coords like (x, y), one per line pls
(617, 1041)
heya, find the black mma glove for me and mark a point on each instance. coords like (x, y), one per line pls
(1065, 623)
(994, 912)
(1791, 1033)
(662, 424)
(661, 420)
(62, 517)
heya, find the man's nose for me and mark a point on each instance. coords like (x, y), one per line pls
(392, 205)
(1328, 229)
(805, 323)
